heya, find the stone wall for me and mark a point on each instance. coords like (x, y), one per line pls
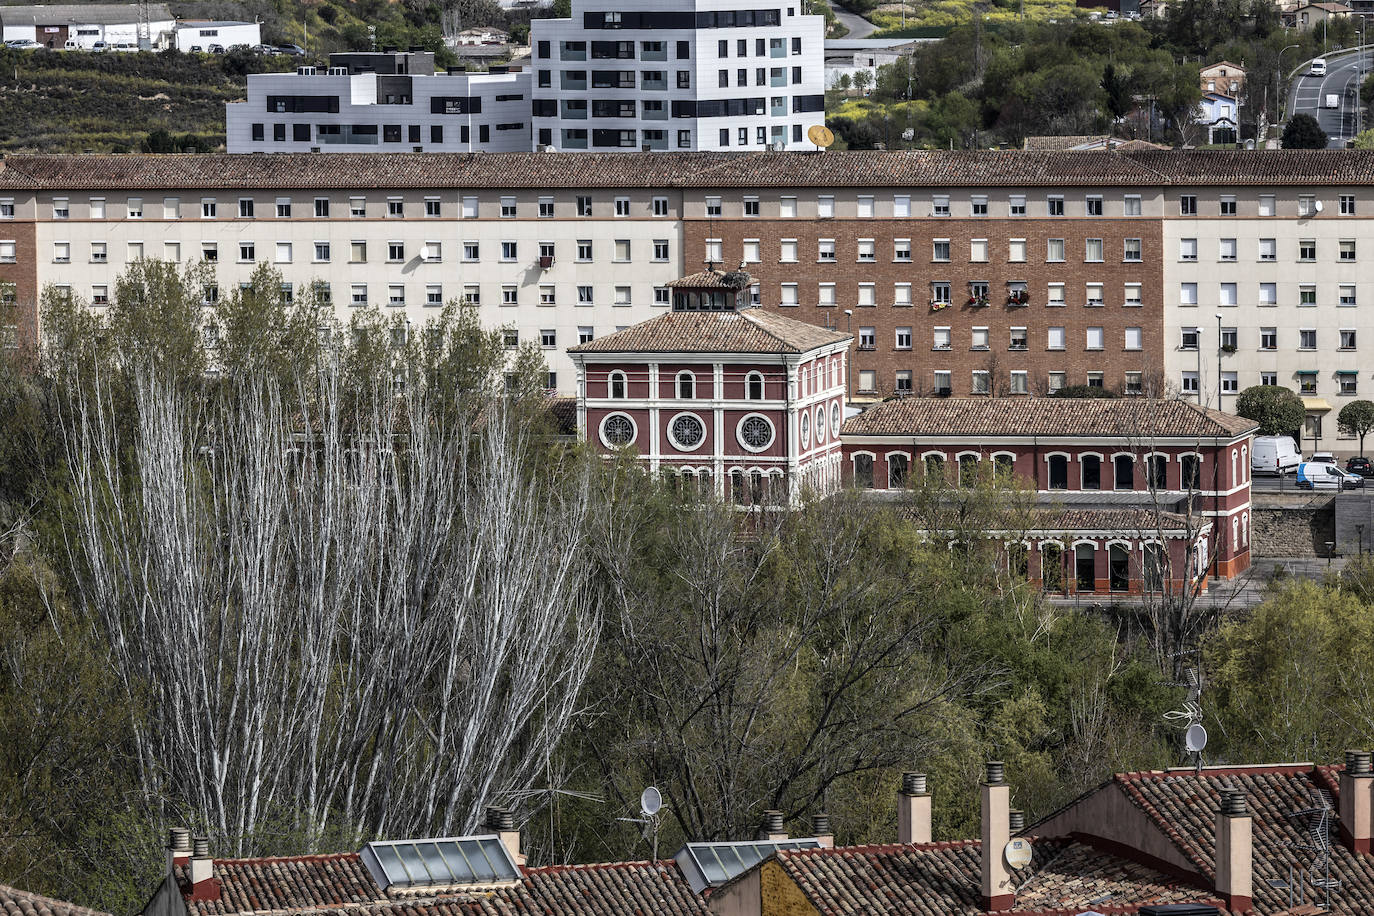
(1296, 531)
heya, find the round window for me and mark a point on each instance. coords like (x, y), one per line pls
(835, 417)
(686, 431)
(806, 430)
(755, 432)
(617, 430)
(820, 424)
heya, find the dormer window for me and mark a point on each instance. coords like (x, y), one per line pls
(755, 386)
(686, 385)
(617, 385)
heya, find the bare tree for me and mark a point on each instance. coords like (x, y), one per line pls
(357, 610)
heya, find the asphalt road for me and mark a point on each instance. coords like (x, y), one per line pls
(1307, 94)
(858, 26)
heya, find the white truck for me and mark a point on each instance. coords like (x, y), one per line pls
(1333, 100)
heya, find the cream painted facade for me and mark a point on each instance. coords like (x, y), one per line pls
(1293, 286)
(411, 263)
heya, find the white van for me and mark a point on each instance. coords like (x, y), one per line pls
(1318, 67)
(1313, 476)
(1333, 100)
(1274, 455)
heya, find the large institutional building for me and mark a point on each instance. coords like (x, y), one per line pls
(667, 75)
(967, 273)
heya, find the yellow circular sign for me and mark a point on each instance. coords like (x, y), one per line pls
(821, 135)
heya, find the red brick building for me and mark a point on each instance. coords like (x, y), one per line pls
(1133, 482)
(739, 402)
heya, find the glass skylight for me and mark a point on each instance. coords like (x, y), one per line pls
(712, 864)
(477, 860)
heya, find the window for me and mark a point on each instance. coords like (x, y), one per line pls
(1017, 339)
(1269, 338)
(1188, 339)
(787, 250)
(321, 207)
(978, 205)
(395, 251)
(1092, 250)
(1307, 294)
(825, 250)
(1348, 382)
(472, 294)
(1187, 249)
(904, 339)
(978, 251)
(868, 339)
(1054, 250)
(943, 381)
(1187, 205)
(1133, 384)
(135, 250)
(1093, 293)
(8, 253)
(1123, 472)
(1054, 296)
(1307, 250)
(1131, 294)
(1090, 467)
(98, 253)
(939, 292)
(135, 208)
(825, 294)
(7, 208)
(1016, 205)
(1094, 339)
(751, 206)
(1130, 250)
(1307, 339)
(584, 295)
(979, 382)
(940, 250)
(901, 205)
(1347, 248)
(247, 252)
(1228, 205)
(622, 250)
(1054, 205)
(868, 295)
(686, 385)
(1307, 384)
(978, 338)
(321, 252)
(1269, 378)
(714, 249)
(1187, 294)
(547, 296)
(1266, 205)
(1228, 339)
(622, 295)
(395, 208)
(1133, 339)
(100, 295)
(1307, 206)
(901, 294)
(1347, 339)
(1226, 294)
(1055, 339)
(1059, 472)
(789, 294)
(1268, 294)
(825, 206)
(1016, 251)
(1054, 381)
(868, 251)
(510, 295)
(1226, 249)
(1188, 385)
(509, 251)
(1347, 295)
(208, 208)
(787, 208)
(901, 250)
(1347, 205)
(939, 205)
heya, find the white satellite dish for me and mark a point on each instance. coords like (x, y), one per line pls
(1195, 738)
(1317, 206)
(1017, 853)
(650, 801)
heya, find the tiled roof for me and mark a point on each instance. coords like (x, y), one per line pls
(748, 331)
(942, 879)
(1064, 142)
(337, 885)
(1123, 520)
(14, 902)
(851, 168)
(713, 279)
(82, 13)
(1138, 418)
(1184, 805)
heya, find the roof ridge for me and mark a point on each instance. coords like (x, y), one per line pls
(304, 857)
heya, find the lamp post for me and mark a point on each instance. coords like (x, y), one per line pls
(1219, 404)
(1199, 366)
(848, 361)
(1278, 86)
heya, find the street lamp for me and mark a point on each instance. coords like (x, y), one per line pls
(848, 360)
(1219, 404)
(1199, 366)
(1278, 85)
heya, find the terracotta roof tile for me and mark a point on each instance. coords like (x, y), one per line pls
(748, 331)
(713, 279)
(1139, 418)
(14, 902)
(941, 879)
(863, 168)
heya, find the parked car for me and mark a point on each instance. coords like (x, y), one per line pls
(1360, 465)
(1274, 455)
(1314, 476)
(22, 44)
(216, 49)
(100, 46)
(293, 50)
(196, 49)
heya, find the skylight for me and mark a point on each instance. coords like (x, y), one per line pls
(712, 864)
(449, 862)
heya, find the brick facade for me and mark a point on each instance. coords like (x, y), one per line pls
(19, 282)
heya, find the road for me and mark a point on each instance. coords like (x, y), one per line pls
(1307, 94)
(858, 26)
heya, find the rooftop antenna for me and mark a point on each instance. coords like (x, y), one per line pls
(1315, 824)
(650, 807)
(1189, 718)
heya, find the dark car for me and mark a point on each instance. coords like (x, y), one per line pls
(1360, 465)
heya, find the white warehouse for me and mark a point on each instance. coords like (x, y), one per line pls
(678, 75)
(193, 34)
(381, 102)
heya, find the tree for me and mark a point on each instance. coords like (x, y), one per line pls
(1303, 132)
(1278, 411)
(1116, 87)
(1357, 419)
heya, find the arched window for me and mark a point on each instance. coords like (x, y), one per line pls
(756, 487)
(1059, 472)
(1245, 529)
(897, 468)
(754, 386)
(1052, 567)
(1191, 471)
(686, 385)
(935, 468)
(737, 492)
(1157, 472)
(1245, 462)
(1156, 564)
(1091, 466)
(1123, 467)
(1004, 465)
(1119, 568)
(863, 471)
(618, 385)
(1234, 458)
(968, 470)
(1085, 567)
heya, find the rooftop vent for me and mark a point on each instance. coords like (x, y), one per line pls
(449, 862)
(712, 864)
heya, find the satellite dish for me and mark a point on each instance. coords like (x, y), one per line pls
(1318, 206)
(821, 135)
(1017, 853)
(650, 801)
(1195, 738)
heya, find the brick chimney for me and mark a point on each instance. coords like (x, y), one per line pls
(204, 885)
(501, 822)
(178, 847)
(1234, 869)
(772, 826)
(820, 829)
(1356, 799)
(913, 809)
(995, 889)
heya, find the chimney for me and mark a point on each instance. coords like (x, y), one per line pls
(204, 886)
(1016, 821)
(820, 829)
(773, 830)
(1356, 798)
(1233, 851)
(178, 847)
(913, 809)
(501, 822)
(995, 888)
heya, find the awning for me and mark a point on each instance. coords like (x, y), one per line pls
(1347, 371)
(1318, 405)
(1306, 372)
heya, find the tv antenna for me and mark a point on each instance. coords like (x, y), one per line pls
(1314, 823)
(650, 809)
(1189, 718)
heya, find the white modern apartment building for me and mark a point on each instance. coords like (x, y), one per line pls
(678, 75)
(1267, 284)
(381, 102)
